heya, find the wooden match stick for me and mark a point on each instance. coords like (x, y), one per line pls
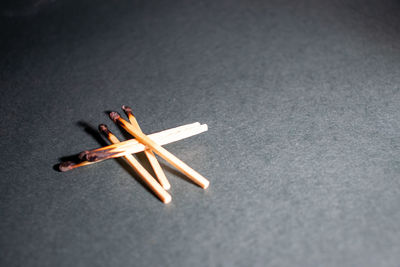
(133, 146)
(149, 154)
(174, 161)
(163, 137)
(69, 165)
(150, 181)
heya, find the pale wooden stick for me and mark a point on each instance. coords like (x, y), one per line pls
(174, 161)
(159, 137)
(150, 181)
(132, 146)
(149, 154)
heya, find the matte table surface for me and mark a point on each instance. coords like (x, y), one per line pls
(302, 100)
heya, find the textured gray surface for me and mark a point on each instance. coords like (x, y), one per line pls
(302, 100)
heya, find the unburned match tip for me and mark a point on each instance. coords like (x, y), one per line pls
(167, 199)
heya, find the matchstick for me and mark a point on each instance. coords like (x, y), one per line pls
(133, 146)
(69, 165)
(149, 154)
(163, 137)
(150, 181)
(174, 161)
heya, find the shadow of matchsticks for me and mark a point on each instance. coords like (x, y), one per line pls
(92, 131)
(175, 172)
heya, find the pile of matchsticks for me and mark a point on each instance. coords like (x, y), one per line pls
(147, 144)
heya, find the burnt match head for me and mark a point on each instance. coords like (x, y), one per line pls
(127, 109)
(104, 129)
(66, 166)
(83, 154)
(91, 157)
(114, 116)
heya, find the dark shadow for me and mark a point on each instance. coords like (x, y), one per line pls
(92, 131)
(141, 157)
(125, 165)
(177, 173)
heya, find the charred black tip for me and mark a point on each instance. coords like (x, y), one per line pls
(127, 109)
(65, 166)
(91, 158)
(114, 116)
(103, 128)
(83, 155)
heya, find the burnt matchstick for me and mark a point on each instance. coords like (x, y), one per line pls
(174, 161)
(164, 137)
(69, 165)
(160, 192)
(133, 146)
(149, 154)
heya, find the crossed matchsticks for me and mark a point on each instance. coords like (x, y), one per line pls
(148, 144)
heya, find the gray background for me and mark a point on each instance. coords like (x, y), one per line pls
(302, 99)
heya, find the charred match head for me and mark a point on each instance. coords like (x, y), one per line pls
(66, 166)
(104, 129)
(91, 157)
(101, 155)
(87, 155)
(114, 116)
(127, 109)
(83, 155)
